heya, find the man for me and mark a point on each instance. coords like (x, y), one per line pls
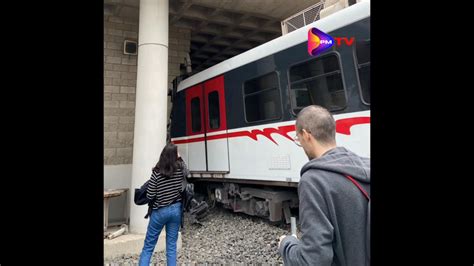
(332, 209)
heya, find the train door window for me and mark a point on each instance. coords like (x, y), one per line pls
(318, 81)
(363, 67)
(196, 114)
(214, 116)
(262, 98)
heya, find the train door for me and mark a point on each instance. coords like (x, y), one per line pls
(207, 127)
(195, 128)
(216, 125)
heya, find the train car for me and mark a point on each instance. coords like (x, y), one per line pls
(234, 123)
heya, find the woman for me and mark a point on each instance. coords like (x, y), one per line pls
(166, 185)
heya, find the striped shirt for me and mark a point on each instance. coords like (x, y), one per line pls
(166, 190)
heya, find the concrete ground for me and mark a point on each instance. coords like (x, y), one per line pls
(131, 244)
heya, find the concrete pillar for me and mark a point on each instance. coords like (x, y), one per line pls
(151, 100)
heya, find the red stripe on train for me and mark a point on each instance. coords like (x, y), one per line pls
(343, 126)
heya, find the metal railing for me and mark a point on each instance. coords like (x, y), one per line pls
(301, 19)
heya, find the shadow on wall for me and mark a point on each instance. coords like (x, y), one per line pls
(118, 176)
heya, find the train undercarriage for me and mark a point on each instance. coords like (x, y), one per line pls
(271, 202)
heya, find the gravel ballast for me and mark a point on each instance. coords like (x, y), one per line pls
(224, 238)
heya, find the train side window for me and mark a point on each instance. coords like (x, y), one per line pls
(318, 81)
(214, 116)
(363, 67)
(196, 115)
(262, 98)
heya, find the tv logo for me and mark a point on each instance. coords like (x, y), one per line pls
(319, 41)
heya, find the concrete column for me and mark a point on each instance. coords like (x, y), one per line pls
(151, 100)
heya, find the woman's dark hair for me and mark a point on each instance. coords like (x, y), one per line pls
(168, 162)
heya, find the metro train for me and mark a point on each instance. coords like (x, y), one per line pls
(234, 123)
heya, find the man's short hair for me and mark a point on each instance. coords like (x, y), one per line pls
(319, 122)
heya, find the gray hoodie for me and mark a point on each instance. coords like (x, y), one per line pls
(332, 212)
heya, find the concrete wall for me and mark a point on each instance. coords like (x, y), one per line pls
(120, 74)
(120, 79)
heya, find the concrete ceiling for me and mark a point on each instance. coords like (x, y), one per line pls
(223, 29)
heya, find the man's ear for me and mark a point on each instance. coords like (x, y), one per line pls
(306, 135)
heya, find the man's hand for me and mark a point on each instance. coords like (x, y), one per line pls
(281, 238)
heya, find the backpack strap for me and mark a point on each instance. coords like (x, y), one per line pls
(359, 187)
(367, 243)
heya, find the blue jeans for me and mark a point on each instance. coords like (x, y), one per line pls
(171, 217)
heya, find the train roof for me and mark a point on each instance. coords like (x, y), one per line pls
(337, 20)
